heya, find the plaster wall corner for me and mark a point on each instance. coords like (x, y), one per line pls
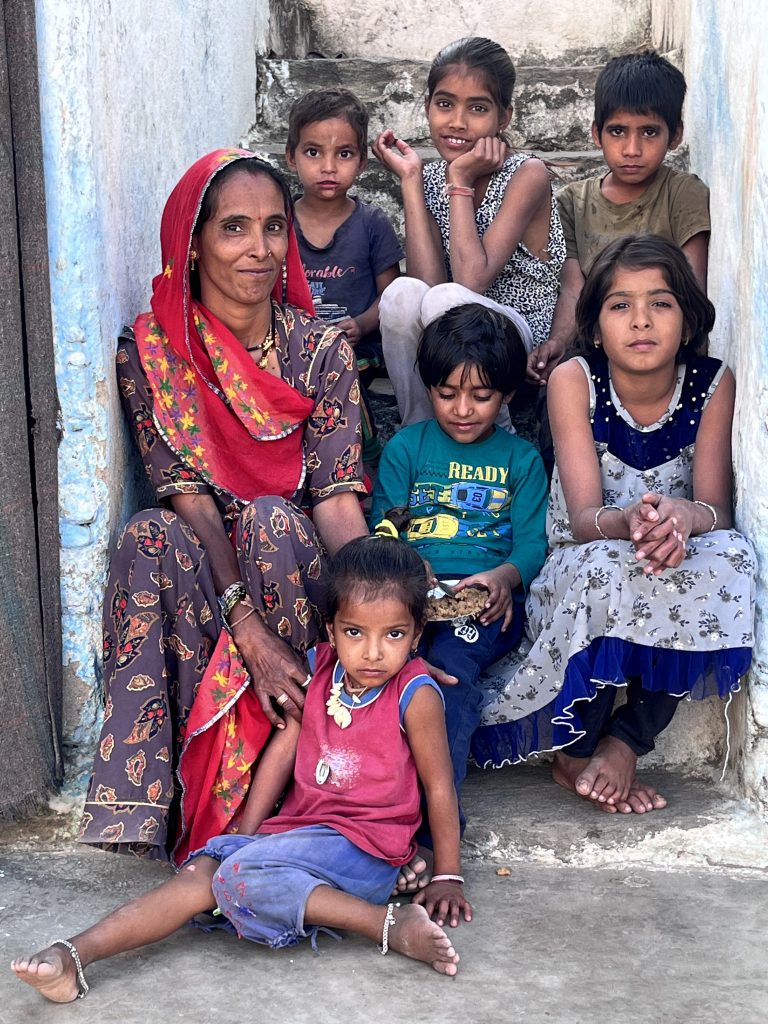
(727, 131)
(131, 95)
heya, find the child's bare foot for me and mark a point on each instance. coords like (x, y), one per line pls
(608, 778)
(609, 774)
(566, 770)
(642, 798)
(413, 934)
(416, 873)
(52, 972)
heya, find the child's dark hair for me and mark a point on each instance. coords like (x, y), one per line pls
(638, 252)
(487, 59)
(381, 566)
(475, 336)
(323, 105)
(640, 83)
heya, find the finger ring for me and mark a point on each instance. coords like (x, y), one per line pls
(282, 699)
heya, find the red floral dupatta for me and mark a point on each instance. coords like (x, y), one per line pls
(236, 427)
(212, 404)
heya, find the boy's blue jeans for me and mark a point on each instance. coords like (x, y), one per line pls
(465, 651)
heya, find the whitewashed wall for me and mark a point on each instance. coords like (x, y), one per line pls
(554, 31)
(727, 130)
(131, 94)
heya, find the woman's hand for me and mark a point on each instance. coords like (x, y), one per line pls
(397, 156)
(499, 582)
(659, 527)
(486, 157)
(275, 669)
(444, 900)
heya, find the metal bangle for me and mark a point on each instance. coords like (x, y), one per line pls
(605, 508)
(457, 190)
(448, 878)
(251, 611)
(712, 511)
(234, 593)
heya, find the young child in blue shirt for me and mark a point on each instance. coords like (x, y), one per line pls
(476, 498)
(349, 248)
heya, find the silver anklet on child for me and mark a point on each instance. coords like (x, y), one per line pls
(389, 920)
(82, 984)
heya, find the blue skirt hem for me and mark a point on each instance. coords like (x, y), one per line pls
(608, 661)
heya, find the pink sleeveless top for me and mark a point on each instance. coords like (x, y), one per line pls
(369, 790)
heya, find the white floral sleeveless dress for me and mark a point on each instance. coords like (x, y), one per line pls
(595, 618)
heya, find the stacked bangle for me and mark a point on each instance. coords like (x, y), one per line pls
(457, 190)
(712, 511)
(251, 611)
(448, 878)
(234, 593)
(605, 508)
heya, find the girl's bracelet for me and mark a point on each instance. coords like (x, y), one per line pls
(605, 508)
(448, 878)
(457, 190)
(712, 511)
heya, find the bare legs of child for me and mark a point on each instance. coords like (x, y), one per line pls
(159, 913)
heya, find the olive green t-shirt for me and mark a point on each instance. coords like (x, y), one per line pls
(675, 206)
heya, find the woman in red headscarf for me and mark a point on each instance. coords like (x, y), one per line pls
(246, 410)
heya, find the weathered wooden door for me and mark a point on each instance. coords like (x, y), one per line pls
(30, 629)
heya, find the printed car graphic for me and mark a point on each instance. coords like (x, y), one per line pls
(463, 496)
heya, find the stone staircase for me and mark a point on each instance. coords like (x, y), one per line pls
(553, 108)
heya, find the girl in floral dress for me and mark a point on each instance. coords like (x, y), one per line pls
(647, 584)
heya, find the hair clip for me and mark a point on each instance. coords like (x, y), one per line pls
(386, 528)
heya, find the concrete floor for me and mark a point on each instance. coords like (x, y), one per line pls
(600, 919)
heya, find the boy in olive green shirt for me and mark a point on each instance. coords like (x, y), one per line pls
(638, 118)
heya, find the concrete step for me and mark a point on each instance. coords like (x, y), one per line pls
(519, 815)
(552, 105)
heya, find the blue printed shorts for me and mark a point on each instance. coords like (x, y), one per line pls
(263, 882)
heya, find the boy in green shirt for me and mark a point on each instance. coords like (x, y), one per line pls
(476, 496)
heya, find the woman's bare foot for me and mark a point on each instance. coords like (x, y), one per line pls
(52, 972)
(413, 934)
(416, 873)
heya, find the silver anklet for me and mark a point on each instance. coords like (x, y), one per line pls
(82, 984)
(389, 920)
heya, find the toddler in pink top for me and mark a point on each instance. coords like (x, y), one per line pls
(373, 728)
